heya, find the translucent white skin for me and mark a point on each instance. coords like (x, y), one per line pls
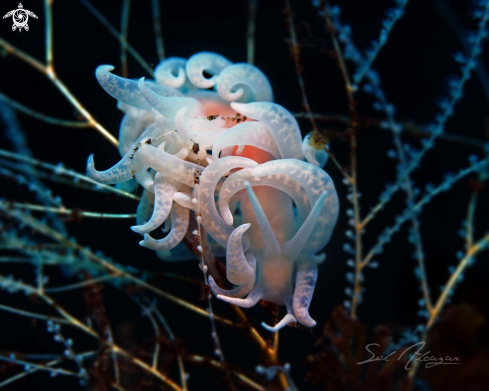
(244, 83)
(246, 133)
(281, 124)
(271, 251)
(164, 189)
(165, 72)
(209, 62)
(133, 124)
(127, 91)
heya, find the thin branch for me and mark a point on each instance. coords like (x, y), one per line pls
(252, 5)
(63, 171)
(155, 6)
(74, 212)
(50, 73)
(126, 6)
(42, 117)
(96, 13)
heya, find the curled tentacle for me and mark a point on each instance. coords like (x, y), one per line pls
(133, 124)
(316, 182)
(129, 164)
(281, 182)
(253, 297)
(169, 106)
(272, 247)
(179, 225)
(145, 207)
(238, 269)
(247, 133)
(244, 82)
(281, 124)
(171, 72)
(127, 91)
(292, 248)
(212, 222)
(184, 199)
(204, 139)
(145, 179)
(305, 281)
(168, 165)
(209, 62)
(164, 188)
(314, 155)
(236, 292)
(289, 318)
(241, 290)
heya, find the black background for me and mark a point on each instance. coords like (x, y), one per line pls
(414, 65)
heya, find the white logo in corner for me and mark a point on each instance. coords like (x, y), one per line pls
(20, 16)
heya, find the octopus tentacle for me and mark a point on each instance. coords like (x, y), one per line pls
(179, 225)
(272, 247)
(305, 281)
(164, 188)
(281, 124)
